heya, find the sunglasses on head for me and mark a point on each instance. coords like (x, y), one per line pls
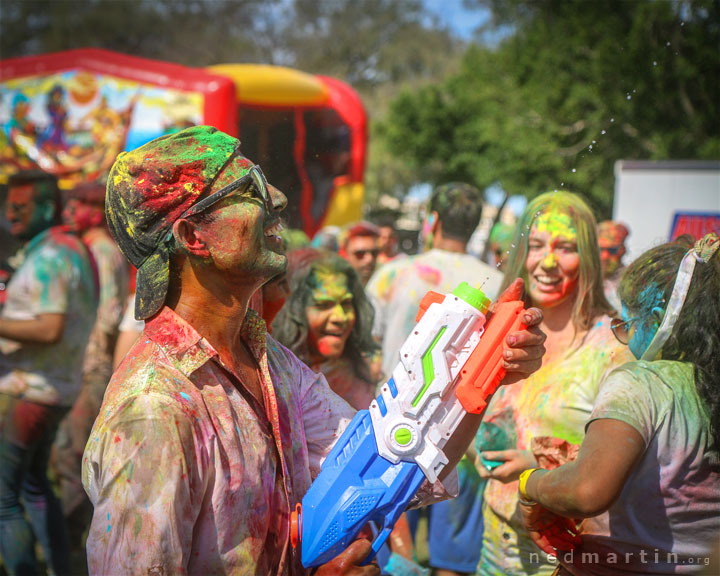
(257, 186)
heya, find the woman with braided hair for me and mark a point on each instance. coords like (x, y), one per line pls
(647, 476)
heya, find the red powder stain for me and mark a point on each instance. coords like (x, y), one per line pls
(117, 439)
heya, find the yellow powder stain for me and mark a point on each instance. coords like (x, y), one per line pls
(556, 224)
(550, 261)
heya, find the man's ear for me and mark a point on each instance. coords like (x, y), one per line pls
(190, 238)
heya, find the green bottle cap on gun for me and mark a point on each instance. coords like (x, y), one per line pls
(472, 296)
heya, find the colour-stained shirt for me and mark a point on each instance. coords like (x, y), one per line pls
(667, 519)
(113, 277)
(397, 288)
(54, 276)
(188, 473)
(344, 381)
(549, 408)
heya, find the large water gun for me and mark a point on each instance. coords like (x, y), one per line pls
(450, 365)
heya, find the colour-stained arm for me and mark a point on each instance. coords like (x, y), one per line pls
(589, 485)
(618, 431)
(583, 488)
(143, 472)
(616, 437)
(43, 329)
(51, 277)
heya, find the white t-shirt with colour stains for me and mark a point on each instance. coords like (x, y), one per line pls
(668, 515)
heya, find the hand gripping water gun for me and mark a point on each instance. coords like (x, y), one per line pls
(449, 365)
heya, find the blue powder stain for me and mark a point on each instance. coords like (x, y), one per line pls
(108, 522)
(650, 297)
(238, 430)
(185, 396)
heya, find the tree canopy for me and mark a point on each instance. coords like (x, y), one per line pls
(574, 87)
(570, 87)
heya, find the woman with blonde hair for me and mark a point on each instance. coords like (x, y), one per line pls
(540, 421)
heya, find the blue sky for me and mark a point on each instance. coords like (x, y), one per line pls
(463, 22)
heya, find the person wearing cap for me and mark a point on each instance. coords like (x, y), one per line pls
(454, 210)
(611, 241)
(44, 328)
(83, 213)
(359, 246)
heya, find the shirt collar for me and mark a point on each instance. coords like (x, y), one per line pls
(178, 338)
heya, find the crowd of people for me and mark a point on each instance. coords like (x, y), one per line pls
(175, 365)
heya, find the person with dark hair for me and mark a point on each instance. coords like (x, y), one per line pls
(647, 476)
(395, 290)
(210, 430)
(84, 214)
(44, 328)
(327, 323)
(453, 213)
(541, 421)
(387, 241)
(358, 244)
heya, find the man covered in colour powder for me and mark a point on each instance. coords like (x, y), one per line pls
(44, 329)
(396, 289)
(210, 431)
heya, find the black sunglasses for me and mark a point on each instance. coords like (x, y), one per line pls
(258, 188)
(360, 254)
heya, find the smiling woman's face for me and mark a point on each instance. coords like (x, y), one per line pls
(553, 262)
(330, 314)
